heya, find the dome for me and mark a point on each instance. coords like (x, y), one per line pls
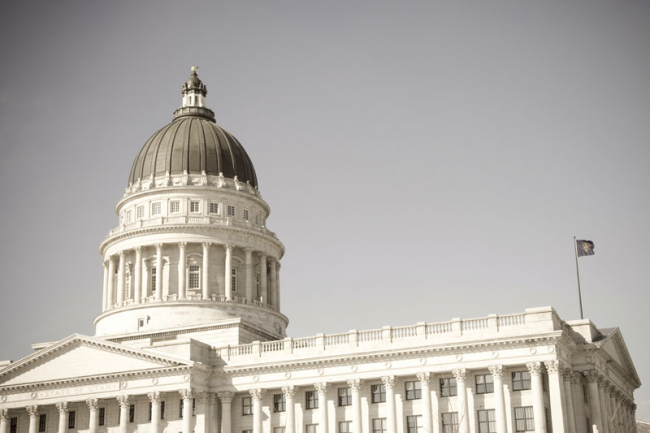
(193, 143)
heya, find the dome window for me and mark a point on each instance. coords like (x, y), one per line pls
(139, 212)
(214, 208)
(233, 279)
(155, 208)
(194, 206)
(194, 277)
(129, 216)
(231, 210)
(245, 214)
(175, 206)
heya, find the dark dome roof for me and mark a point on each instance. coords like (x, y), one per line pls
(196, 144)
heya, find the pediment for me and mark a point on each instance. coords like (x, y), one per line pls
(614, 345)
(80, 356)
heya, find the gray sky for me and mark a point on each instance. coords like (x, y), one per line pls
(423, 160)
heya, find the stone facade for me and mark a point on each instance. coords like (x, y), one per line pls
(191, 338)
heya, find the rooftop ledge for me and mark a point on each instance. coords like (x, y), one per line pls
(533, 321)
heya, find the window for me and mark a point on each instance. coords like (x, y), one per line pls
(141, 323)
(233, 279)
(520, 380)
(129, 216)
(162, 410)
(102, 415)
(194, 206)
(378, 393)
(448, 387)
(311, 400)
(484, 384)
(414, 424)
(258, 286)
(257, 219)
(245, 214)
(246, 406)
(132, 413)
(155, 208)
(139, 212)
(174, 207)
(344, 426)
(214, 207)
(194, 277)
(311, 428)
(449, 422)
(231, 210)
(180, 409)
(42, 421)
(486, 421)
(71, 418)
(153, 281)
(379, 425)
(13, 425)
(524, 419)
(279, 403)
(345, 397)
(413, 390)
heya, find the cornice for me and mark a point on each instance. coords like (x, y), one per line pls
(183, 229)
(348, 358)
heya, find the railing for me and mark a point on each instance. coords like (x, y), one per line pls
(188, 297)
(412, 334)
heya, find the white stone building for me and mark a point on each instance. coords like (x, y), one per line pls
(191, 336)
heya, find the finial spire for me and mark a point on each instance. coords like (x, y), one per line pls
(194, 69)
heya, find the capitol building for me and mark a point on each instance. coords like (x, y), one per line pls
(191, 336)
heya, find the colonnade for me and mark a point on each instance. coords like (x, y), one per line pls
(116, 270)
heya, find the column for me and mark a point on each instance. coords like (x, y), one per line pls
(257, 395)
(188, 399)
(249, 275)
(111, 283)
(355, 387)
(33, 418)
(567, 374)
(556, 396)
(427, 416)
(463, 416)
(609, 389)
(105, 290)
(154, 398)
(182, 268)
(227, 273)
(93, 421)
(159, 272)
(4, 421)
(226, 411)
(579, 402)
(604, 413)
(290, 423)
(202, 418)
(616, 413)
(535, 369)
(120, 279)
(137, 276)
(277, 285)
(206, 275)
(322, 406)
(391, 416)
(499, 400)
(594, 400)
(62, 406)
(633, 416)
(273, 296)
(125, 403)
(214, 423)
(263, 269)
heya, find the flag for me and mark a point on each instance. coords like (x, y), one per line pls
(585, 248)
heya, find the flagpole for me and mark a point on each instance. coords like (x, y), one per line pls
(575, 250)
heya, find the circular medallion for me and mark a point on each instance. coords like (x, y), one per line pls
(287, 374)
(354, 368)
(154, 381)
(320, 372)
(551, 349)
(186, 378)
(459, 358)
(123, 385)
(256, 378)
(423, 361)
(3, 398)
(32, 395)
(388, 365)
(495, 354)
(533, 350)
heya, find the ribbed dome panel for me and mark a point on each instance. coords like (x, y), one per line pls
(196, 145)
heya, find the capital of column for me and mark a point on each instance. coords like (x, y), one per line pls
(186, 393)
(576, 377)
(206, 245)
(202, 397)
(138, 249)
(33, 410)
(460, 374)
(633, 408)
(553, 366)
(355, 384)
(534, 368)
(389, 381)
(424, 377)
(566, 372)
(105, 264)
(124, 400)
(62, 406)
(603, 383)
(496, 370)
(591, 376)
(159, 247)
(262, 256)
(4, 414)
(228, 247)
(322, 387)
(154, 397)
(289, 391)
(226, 397)
(182, 245)
(121, 254)
(212, 398)
(257, 394)
(92, 403)
(248, 250)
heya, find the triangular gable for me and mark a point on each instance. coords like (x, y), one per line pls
(615, 347)
(81, 356)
